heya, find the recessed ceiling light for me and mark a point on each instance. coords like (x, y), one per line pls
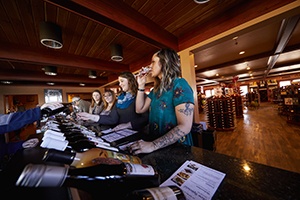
(6, 82)
(81, 84)
(50, 83)
(217, 74)
(196, 66)
(242, 52)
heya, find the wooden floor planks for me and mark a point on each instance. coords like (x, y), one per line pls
(262, 136)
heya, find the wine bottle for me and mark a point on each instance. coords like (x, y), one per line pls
(85, 159)
(77, 141)
(157, 193)
(109, 176)
(55, 108)
(59, 144)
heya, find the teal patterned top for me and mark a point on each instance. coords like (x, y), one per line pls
(162, 116)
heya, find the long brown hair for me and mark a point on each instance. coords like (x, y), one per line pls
(93, 100)
(114, 98)
(170, 67)
(132, 83)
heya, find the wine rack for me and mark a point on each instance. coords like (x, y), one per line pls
(221, 112)
(239, 113)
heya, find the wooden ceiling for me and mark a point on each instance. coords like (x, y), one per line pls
(90, 27)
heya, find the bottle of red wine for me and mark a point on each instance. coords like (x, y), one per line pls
(55, 108)
(85, 159)
(157, 193)
(109, 176)
(59, 144)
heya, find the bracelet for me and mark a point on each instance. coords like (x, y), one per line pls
(141, 90)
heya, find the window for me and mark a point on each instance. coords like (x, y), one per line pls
(284, 83)
(53, 96)
(209, 93)
(244, 90)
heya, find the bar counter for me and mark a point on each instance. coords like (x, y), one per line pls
(259, 182)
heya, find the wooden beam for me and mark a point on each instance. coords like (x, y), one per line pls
(245, 12)
(40, 76)
(127, 20)
(20, 53)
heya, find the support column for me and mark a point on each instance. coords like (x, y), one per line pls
(188, 72)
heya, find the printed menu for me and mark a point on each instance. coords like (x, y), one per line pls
(116, 138)
(196, 181)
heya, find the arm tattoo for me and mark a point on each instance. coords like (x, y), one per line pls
(187, 111)
(169, 138)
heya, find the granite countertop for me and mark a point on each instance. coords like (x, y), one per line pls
(259, 182)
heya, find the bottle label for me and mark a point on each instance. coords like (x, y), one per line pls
(162, 193)
(139, 169)
(125, 157)
(51, 143)
(54, 106)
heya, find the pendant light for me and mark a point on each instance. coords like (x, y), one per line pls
(92, 74)
(51, 35)
(50, 70)
(116, 52)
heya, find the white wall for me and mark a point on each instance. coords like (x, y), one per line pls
(30, 90)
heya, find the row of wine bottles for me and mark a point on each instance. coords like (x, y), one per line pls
(105, 176)
(96, 170)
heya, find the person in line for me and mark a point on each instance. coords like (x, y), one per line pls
(171, 104)
(17, 120)
(96, 106)
(109, 100)
(122, 115)
(80, 105)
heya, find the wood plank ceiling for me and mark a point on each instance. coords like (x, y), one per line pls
(90, 27)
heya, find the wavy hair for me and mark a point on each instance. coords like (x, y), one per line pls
(114, 98)
(170, 68)
(132, 83)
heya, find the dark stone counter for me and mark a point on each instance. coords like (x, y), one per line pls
(260, 182)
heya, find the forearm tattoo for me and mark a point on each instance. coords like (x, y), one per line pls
(187, 111)
(169, 138)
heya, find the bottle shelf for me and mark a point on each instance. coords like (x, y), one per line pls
(221, 113)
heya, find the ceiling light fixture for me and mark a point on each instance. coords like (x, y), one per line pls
(116, 52)
(50, 83)
(235, 40)
(201, 1)
(92, 74)
(82, 84)
(242, 52)
(50, 70)
(51, 35)
(6, 82)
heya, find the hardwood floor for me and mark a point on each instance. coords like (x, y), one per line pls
(262, 136)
